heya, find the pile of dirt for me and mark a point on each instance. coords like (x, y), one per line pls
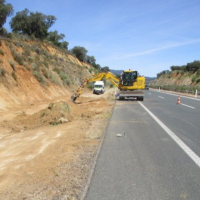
(56, 113)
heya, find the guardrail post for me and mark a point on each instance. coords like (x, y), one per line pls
(196, 94)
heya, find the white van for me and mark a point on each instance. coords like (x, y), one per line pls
(98, 87)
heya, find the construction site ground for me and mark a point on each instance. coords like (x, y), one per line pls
(47, 148)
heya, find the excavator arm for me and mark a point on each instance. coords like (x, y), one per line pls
(96, 77)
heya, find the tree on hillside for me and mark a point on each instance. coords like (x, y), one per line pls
(79, 52)
(55, 38)
(193, 66)
(30, 23)
(178, 67)
(6, 10)
(97, 66)
(91, 60)
(105, 69)
(162, 73)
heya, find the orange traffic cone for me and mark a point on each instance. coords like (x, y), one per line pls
(179, 100)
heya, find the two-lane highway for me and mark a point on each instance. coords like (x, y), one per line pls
(149, 151)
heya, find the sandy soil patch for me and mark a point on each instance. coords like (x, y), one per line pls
(46, 148)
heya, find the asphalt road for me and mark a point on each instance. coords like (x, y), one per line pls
(151, 151)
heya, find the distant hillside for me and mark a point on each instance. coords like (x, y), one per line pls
(178, 80)
(118, 72)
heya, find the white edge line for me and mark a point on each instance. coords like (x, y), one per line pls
(177, 95)
(185, 148)
(187, 106)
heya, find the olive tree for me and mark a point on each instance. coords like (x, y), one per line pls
(55, 38)
(30, 23)
(79, 52)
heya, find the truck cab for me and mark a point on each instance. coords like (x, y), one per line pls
(98, 87)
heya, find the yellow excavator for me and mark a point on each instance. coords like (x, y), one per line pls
(130, 84)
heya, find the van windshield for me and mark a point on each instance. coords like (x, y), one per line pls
(98, 86)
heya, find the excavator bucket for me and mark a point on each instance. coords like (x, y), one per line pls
(73, 98)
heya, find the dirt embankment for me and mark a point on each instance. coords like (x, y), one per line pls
(47, 143)
(177, 78)
(46, 148)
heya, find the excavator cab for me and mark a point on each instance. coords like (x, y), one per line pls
(128, 78)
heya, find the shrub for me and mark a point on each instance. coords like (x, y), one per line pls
(14, 75)
(3, 72)
(46, 64)
(45, 73)
(39, 77)
(18, 57)
(12, 64)
(195, 78)
(27, 51)
(90, 85)
(64, 78)
(56, 70)
(1, 52)
(53, 78)
(34, 67)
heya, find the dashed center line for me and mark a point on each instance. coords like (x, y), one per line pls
(181, 144)
(161, 97)
(187, 106)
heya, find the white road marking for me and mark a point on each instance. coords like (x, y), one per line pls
(185, 148)
(149, 93)
(161, 97)
(177, 95)
(187, 106)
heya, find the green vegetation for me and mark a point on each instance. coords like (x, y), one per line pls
(55, 38)
(6, 10)
(190, 67)
(80, 53)
(178, 88)
(14, 75)
(12, 64)
(1, 52)
(29, 23)
(2, 72)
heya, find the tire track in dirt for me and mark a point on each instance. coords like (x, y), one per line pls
(13, 152)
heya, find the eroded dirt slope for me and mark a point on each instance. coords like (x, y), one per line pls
(47, 147)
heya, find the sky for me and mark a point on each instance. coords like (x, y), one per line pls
(144, 35)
